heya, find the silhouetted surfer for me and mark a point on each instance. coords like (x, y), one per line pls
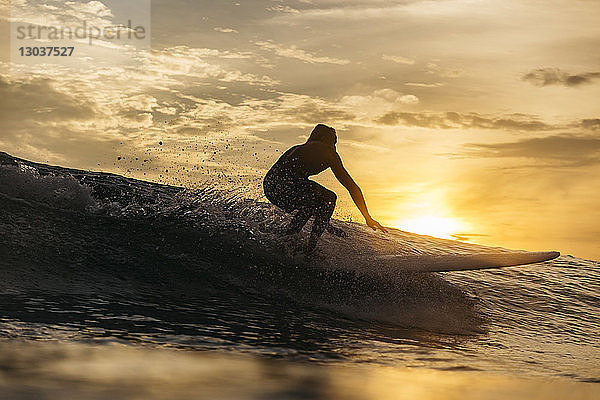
(287, 185)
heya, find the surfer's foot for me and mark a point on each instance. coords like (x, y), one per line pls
(335, 231)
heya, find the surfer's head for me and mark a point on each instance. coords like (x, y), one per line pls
(323, 133)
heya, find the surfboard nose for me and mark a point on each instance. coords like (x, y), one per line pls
(553, 254)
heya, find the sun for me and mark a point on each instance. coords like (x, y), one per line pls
(441, 227)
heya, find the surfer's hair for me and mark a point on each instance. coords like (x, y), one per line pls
(323, 133)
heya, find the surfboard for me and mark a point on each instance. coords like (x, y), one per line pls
(456, 262)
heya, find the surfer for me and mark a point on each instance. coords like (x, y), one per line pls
(287, 185)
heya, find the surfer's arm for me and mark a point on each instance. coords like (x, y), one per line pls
(346, 180)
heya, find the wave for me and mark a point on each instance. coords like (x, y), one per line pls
(81, 232)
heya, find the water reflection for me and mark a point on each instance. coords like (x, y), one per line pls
(70, 370)
(217, 320)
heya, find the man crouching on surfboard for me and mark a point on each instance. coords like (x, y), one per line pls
(287, 185)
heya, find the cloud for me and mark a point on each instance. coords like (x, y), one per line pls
(283, 9)
(425, 85)
(259, 114)
(69, 13)
(45, 120)
(284, 108)
(173, 65)
(570, 150)
(38, 98)
(364, 10)
(454, 120)
(64, 109)
(554, 76)
(434, 69)
(369, 105)
(388, 95)
(294, 52)
(592, 123)
(398, 59)
(225, 30)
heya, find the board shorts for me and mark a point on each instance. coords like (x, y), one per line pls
(296, 193)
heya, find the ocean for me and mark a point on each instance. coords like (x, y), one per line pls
(112, 287)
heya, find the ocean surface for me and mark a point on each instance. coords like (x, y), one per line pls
(111, 287)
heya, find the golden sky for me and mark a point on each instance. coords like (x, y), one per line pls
(478, 118)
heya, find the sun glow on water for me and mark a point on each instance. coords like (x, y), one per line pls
(441, 227)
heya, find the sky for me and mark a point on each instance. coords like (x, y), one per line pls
(472, 119)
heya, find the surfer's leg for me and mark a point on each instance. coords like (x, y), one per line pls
(309, 199)
(322, 214)
(298, 222)
(304, 196)
(287, 196)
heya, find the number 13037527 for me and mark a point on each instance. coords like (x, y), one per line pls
(46, 51)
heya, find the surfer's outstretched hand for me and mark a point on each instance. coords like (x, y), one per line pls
(375, 225)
